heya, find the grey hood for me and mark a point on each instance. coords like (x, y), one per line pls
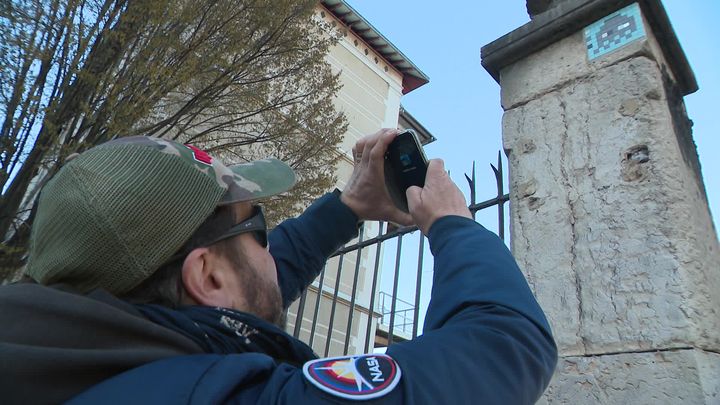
(55, 344)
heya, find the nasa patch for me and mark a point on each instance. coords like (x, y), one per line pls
(354, 377)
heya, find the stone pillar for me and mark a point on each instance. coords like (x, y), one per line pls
(609, 216)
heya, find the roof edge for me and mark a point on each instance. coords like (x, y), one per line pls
(406, 120)
(413, 77)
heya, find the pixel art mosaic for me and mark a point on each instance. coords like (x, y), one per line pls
(614, 31)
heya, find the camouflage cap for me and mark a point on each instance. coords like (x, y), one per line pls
(114, 214)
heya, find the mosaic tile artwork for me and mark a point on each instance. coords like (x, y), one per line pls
(614, 31)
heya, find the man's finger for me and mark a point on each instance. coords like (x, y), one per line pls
(413, 194)
(384, 139)
(403, 218)
(369, 145)
(436, 166)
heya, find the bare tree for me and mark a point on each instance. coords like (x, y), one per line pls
(240, 77)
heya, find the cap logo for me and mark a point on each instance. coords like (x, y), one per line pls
(200, 155)
(354, 377)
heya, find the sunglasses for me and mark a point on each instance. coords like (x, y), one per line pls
(255, 224)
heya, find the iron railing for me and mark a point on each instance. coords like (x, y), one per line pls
(394, 315)
(404, 315)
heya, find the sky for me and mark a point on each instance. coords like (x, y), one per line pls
(461, 104)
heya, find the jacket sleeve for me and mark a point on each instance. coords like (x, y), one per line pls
(485, 338)
(301, 246)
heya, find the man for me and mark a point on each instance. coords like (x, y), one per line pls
(157, 283)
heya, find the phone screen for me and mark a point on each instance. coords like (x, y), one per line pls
(405, 166)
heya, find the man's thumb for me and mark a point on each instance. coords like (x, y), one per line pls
(413, 196)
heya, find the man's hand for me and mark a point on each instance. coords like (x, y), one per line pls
(365, 193)
(438, 198)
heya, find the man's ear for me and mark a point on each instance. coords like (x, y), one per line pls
(203, 279)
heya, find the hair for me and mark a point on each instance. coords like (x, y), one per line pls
(165, 286)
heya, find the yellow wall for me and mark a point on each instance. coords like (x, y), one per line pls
(370, 99)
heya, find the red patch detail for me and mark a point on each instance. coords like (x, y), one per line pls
(200, 155)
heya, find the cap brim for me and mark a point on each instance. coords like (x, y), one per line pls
(257, 180)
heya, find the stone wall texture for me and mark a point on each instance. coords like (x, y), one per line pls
(668, 377)
(610, 222)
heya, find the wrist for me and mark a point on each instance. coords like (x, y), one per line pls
(349, 202)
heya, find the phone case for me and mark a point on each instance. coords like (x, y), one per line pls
(399, 177)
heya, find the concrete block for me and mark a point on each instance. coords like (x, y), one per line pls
(608, 220)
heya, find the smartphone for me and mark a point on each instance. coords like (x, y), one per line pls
(405, 166)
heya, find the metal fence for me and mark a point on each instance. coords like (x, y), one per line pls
(389, 318)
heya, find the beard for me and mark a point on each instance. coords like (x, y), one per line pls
(267, 304)
(263, 296)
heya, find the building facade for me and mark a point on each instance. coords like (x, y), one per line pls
(374, 76)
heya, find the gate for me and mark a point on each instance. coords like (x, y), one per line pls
(342, 312)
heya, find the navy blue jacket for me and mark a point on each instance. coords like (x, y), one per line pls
(485, 340)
